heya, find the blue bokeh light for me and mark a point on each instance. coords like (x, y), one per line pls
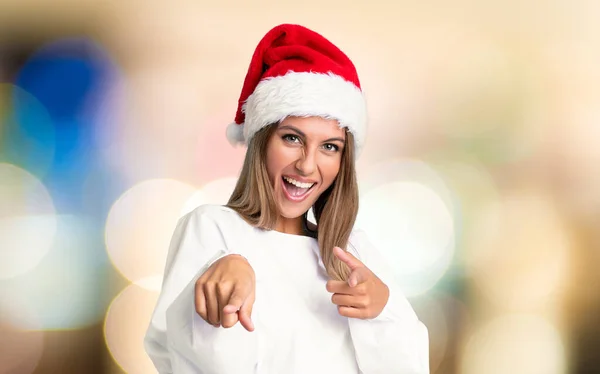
(69, 78)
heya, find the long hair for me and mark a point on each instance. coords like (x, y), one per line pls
(335, 210)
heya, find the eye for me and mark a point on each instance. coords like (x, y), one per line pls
(331, 147)
(290, 138)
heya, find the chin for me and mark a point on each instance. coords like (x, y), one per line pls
(292, 212)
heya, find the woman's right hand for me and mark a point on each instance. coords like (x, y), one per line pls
(225, 293)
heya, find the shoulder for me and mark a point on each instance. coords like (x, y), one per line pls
(358, 235)
(213, 212)
(216, 219)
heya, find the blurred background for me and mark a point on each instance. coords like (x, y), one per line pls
(480, 180)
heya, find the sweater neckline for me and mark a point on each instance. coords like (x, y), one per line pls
(291, 236)
(278, 233)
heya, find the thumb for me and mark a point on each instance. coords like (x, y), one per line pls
(235, 303)
(347, 258)
(238, 297)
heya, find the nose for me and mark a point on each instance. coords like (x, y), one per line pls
(306, 163)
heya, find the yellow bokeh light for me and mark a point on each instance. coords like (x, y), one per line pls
(516, 344)
(140, 225)
(125, 325)
(28, 221)
(518, 252)
(153, 283)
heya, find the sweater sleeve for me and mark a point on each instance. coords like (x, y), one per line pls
(396, 341)
(178, 340)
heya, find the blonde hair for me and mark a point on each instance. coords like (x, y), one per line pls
(335, 210)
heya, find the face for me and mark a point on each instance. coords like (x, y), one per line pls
(303, 159)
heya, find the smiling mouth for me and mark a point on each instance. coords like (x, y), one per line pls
(296, 191)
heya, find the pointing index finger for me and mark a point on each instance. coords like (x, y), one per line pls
(347, 258)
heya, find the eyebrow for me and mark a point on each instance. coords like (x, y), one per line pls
(341, 140)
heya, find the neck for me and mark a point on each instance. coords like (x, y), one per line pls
(290, 226)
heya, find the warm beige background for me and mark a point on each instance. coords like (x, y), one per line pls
(480, 177)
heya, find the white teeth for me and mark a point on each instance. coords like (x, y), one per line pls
(298, 184)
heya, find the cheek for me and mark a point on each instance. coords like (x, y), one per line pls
(330, 171)
(280, 158)
(271, 168)
(275, 164)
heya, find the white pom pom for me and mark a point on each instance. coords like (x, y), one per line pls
(235, 133)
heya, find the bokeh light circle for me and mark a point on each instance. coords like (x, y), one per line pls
(140, 225)
(406, 169)
(153, 283)
(408, 213)
(215, 192)
(28, 221)
(516, 344)
(413, 229)
(57, 291)
(518, 251)
(126, 322)
(27, 131)
(472, 187)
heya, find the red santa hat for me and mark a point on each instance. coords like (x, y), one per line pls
(296, 72)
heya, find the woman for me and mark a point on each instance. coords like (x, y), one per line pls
(323, 299)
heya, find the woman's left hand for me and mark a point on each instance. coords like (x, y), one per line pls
(364, 295)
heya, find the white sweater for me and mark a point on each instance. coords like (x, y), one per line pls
(297, 327)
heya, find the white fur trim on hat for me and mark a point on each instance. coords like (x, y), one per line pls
(235, 133)
(303, 94)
